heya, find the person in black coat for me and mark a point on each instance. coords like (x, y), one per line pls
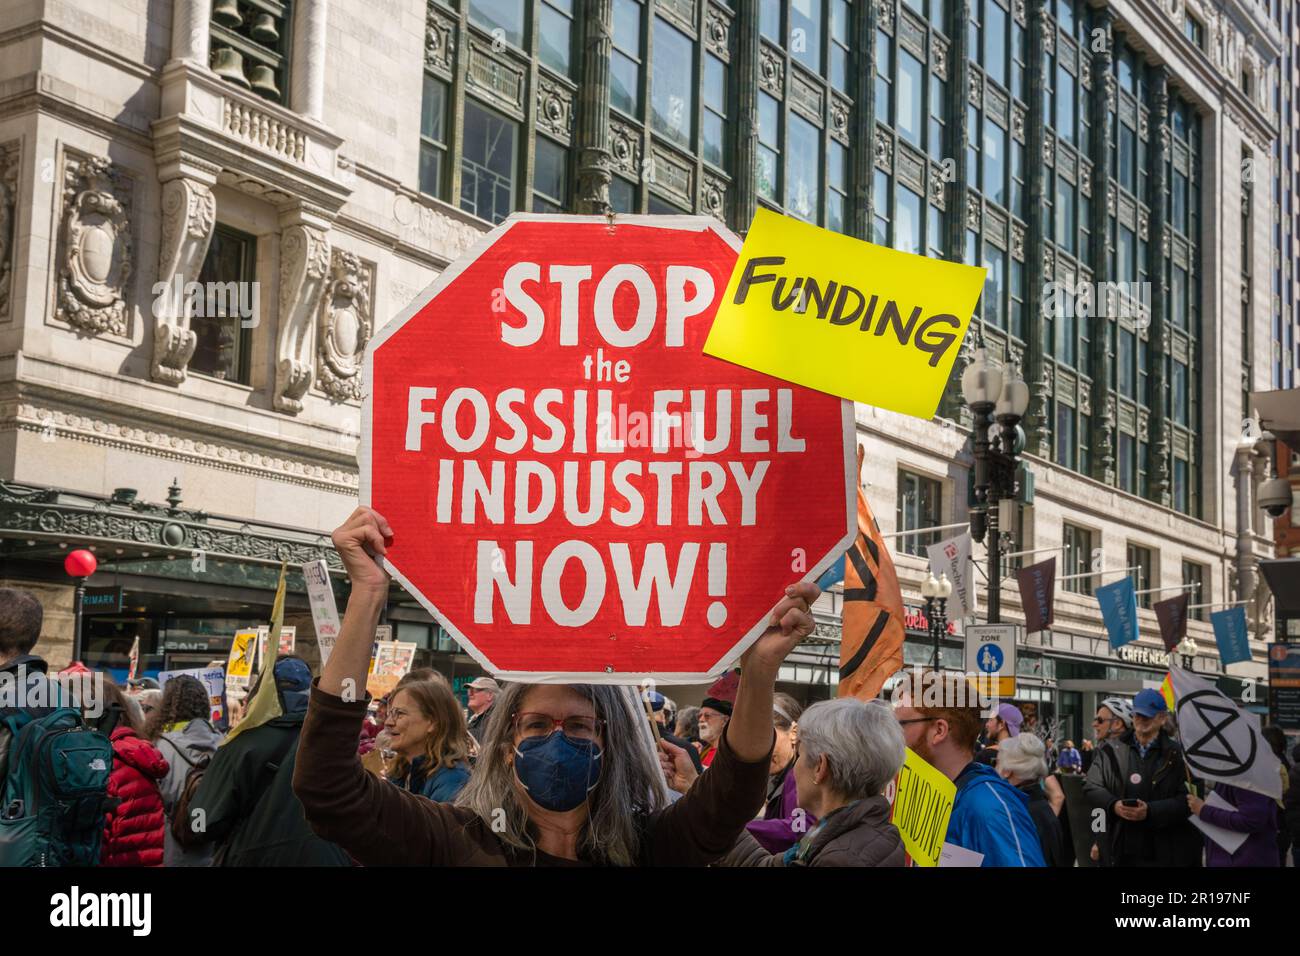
(246, 796)
(1022, 761)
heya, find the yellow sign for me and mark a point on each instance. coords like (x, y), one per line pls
(844, 316)
(922, 800)
(240, 666)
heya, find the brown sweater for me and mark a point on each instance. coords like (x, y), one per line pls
(382, 825)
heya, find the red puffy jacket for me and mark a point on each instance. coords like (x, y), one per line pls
(133, 830)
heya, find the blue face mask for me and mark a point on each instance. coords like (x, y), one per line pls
(557, 771)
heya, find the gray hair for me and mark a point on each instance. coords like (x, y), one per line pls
(631, 781)
(861, 741)
(1023, 755)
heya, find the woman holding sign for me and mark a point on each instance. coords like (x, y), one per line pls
(567, 775)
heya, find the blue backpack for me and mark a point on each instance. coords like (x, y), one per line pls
(55, 792)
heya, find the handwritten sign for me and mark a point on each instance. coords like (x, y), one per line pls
(845, 316)
(923, 799)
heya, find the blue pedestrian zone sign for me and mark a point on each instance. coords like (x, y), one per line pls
(990, 659)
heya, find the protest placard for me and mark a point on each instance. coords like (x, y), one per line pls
(324, 609)
(845, 316)
(239, 668)
(212, 678)
(922, 803)
(577, 492)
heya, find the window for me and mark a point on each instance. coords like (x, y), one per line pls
(806, 33)
(769, 145)
(907, 220)
(839, 65)
(1194, 575)
(1143, 579)
(803, 170)
(555, 35)
(837, 186)
(911, 97)
(223, 325)
(672, 98)
(919, 501)
(622, 195)
(1078, 559)
(488, 163)
(625, 58)
(501, 18)
(550, 177)
(714, 94)
(1194, 31)
(252, 50)
(433, 137)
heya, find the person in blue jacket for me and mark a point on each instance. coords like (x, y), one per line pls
(427, 732)
(989, 815)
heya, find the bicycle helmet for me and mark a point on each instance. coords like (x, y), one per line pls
(1121, 708)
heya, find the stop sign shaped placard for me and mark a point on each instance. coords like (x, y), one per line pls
(577, 492)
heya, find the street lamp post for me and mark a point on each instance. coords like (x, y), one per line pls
(936, 593)
(1187, 649)
(994, 395)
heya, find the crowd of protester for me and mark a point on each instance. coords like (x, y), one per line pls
(561, 774)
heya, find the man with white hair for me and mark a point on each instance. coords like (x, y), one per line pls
(1021, 761)
(847, 752)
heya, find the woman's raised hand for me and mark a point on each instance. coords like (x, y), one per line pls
(359, 540)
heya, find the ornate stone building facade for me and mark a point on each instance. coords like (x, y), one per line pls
(330, 158)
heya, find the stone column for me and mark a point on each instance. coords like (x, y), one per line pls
(1100, 358)
(863, 135)
(307, 65)
(1038, 368)
(190, 21)
(1159, 487)
(745, 65)
(591, 141)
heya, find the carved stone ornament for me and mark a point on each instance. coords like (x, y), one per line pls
(770, 71)
(554, 109)
(189, 212)
(304, 262)
(973, 210)
(1085, 178)
(439, 41)
(1017, 123)
(1085, 71)
(939, 49)
(716, 29)
(625, 149)
(1018, 11)
(839, 119)
(1018, 241)
(883, 150)
(938, 188)
(9, 158)
(713, 197)
(885, 15)
(346, 321)
(95, 255)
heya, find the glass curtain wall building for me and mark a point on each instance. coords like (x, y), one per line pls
(1031, 137)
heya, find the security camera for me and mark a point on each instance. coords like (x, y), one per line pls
(1275, 496)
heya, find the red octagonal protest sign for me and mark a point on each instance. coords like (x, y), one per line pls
(577, 492)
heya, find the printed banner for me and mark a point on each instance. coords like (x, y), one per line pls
(1119, 611)
(952, 557)
(390, 664)
(1230, 634)
(1220, 740)
(844, 316)
(1172, 617)
(1037, 585)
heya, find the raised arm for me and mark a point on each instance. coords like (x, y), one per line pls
(378, 824)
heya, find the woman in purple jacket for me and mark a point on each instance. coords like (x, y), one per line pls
(1255, 815)
(784, 823)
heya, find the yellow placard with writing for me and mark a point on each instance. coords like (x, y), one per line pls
(844, 316)
(239, 666)
(923, 799)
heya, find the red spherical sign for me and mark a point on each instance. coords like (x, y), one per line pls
(80, 563)
(576, 491)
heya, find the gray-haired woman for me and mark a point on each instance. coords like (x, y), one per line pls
(1022, 761)
(847, 753)
(567, 774)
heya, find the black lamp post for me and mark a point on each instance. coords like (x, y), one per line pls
(936, 593)
(998, 396)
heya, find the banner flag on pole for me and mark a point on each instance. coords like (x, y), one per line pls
(1119, 610)
(1172, 616)
(952, 557)
(871, 640)
(1230, 635)
(1037, 593)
